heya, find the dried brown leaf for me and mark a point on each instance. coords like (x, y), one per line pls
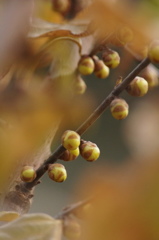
(32, 226)
(41, 28)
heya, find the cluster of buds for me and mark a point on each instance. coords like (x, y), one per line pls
(92, 64)
(73, 144)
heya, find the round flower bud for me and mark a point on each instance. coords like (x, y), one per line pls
(119, 108)
(28, 174)
(70, 140)
(101, 70)
(125, 35)
(89, 151)
(138, 87)
(153, 53)
(70, 155)
(111, 58)
(61, 6)
(57, 172)
(86, 65)
(150, 74)
(79, 86)
(71, 228)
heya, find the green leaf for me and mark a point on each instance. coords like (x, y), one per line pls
(32, 227)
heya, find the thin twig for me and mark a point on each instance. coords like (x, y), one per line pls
(90, 120)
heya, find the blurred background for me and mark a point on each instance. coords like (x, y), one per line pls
(118, 141)
(125, 177)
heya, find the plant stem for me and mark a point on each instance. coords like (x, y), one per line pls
(89, 121)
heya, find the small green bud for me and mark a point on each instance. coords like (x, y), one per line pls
(57, 172)
(101, 70)
(150, 74)
(89, 151)
(70, 155)
(111, 58)
(86, 65)
(71, 228)
(28, 174)
(70, 140)
(138, 87)
(119, 108)
(153, 53)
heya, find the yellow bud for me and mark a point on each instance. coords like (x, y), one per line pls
(111, 58)
(57, 172)
(153, 53)
(28, 174)
(71, 228)
(138, 87)
(119, 109)
(101, 70)
(89, 151)
(150, 74)
(79, 86)
(86, 65)
(70, 155)
(70, 140)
